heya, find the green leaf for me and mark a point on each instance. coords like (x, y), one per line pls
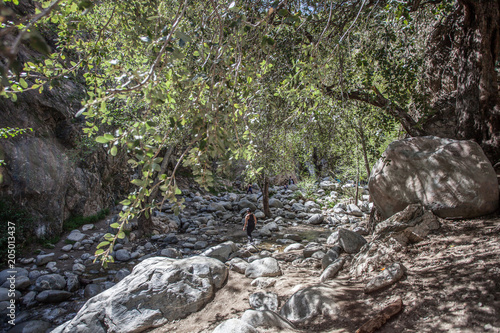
(101, 139)
(121, 235)
(109, 136)
(283, 12)
(23, 83)
(114, 151)
(137, 182)
(177, 54)
(183, 36)
(126, 202)
(101, 244)
(115, 225)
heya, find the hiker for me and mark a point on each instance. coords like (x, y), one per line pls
(250, 223)
(290, 181)
(249, 189)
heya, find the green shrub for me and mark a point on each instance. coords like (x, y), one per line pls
(76, 222)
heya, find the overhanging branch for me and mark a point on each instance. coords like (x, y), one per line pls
(378, 100)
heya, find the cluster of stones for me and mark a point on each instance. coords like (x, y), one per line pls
(202, 224)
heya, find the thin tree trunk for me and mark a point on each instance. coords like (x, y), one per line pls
(265, 198)
(363, 147)
(357, 179)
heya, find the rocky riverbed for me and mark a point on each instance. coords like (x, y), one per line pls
(312, 265)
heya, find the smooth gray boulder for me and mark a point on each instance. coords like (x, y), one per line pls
(333, 238)
(316, 219)
(451, 178)
(330, 256)
(266, 319)
(275, 203)
(388, 276)
(221, 251)
(244, 203)
(234, 326)
(331, 271)
(42, 259)
(7, 273)
(298, 207)
(268, 228)
(122, 255)
(157, 291)
(5, 294)
(170, 253)
(238, 265)
(216, 207)
(310, 303)
(264, 301)
(354, 210)
(293, 247)
(266, 267)
(76, 236)
(311, 248)
(32, 326)
(92, 289)
(350, 241)
(19, 283)
(50, 282)
(53, 296)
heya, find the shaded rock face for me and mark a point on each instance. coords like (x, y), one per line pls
(309, 303)
(412, 225)
(451, 178)
(44, 172)
(158, 290)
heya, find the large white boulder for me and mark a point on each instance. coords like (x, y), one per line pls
(157, 291)
(266, 267)
(450, 177)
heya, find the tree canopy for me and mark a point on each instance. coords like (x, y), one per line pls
(269, 82)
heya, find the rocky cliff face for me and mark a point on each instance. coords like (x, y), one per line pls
(44, 170)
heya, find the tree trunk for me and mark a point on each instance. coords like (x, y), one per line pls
(357, 179)
(363, 147)
(461, 74)
(265, 197)
(163, 169)
(478, 107)
(146, 223)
